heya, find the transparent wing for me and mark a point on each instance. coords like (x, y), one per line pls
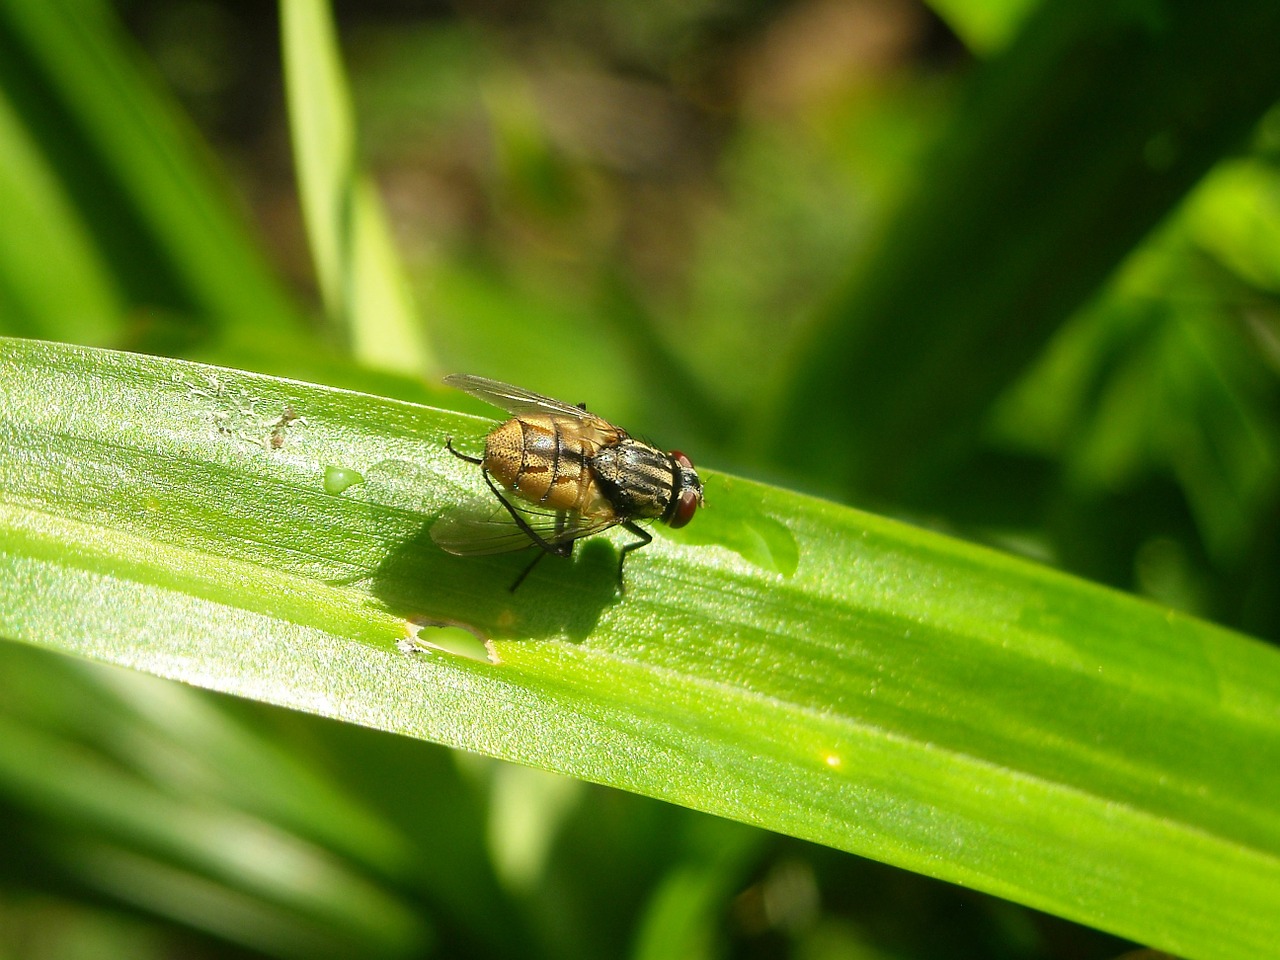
(515, 400)
(475, 530)
(466, 533)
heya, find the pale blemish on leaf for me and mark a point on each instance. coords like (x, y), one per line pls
(424, 635)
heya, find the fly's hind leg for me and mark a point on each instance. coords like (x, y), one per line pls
(526, 571)
(448, 445)
(646, 538)
(555, 548)
(560, 549)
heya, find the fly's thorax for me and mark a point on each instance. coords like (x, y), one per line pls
(542, 462)
(639, 480)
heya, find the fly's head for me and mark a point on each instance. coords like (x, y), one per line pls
(687, 497)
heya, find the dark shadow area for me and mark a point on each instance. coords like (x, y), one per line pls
(560, 597)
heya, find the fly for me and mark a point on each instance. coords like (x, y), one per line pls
(575, 473)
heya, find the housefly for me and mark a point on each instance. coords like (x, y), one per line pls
(563, 474)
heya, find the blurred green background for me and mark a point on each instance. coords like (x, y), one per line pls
(1006, 269)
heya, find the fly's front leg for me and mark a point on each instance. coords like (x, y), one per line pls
(646, 538)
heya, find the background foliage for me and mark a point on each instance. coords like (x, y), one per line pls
(1007, 270)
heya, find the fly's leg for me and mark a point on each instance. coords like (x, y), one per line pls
(559, 548)
(556, 548)
(448, 445)
(526, 571)
(547, 546)
(646, 538)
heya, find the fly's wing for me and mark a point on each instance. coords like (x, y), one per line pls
(475, 531)
(520, 402)
(466, 532)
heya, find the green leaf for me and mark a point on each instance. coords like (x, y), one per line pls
(987, 25)
(110, 160)
(359, 273)
(1069, 147)
(784, 661)
(136, 787)
(53, 283)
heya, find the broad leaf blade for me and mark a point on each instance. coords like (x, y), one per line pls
(790, 663)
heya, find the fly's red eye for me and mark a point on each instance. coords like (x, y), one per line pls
(685, 509)
(690, 495)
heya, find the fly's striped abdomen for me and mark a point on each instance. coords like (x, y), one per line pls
(545, 463)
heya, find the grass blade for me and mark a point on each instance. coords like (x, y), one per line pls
(359, 273)
(124, 161)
